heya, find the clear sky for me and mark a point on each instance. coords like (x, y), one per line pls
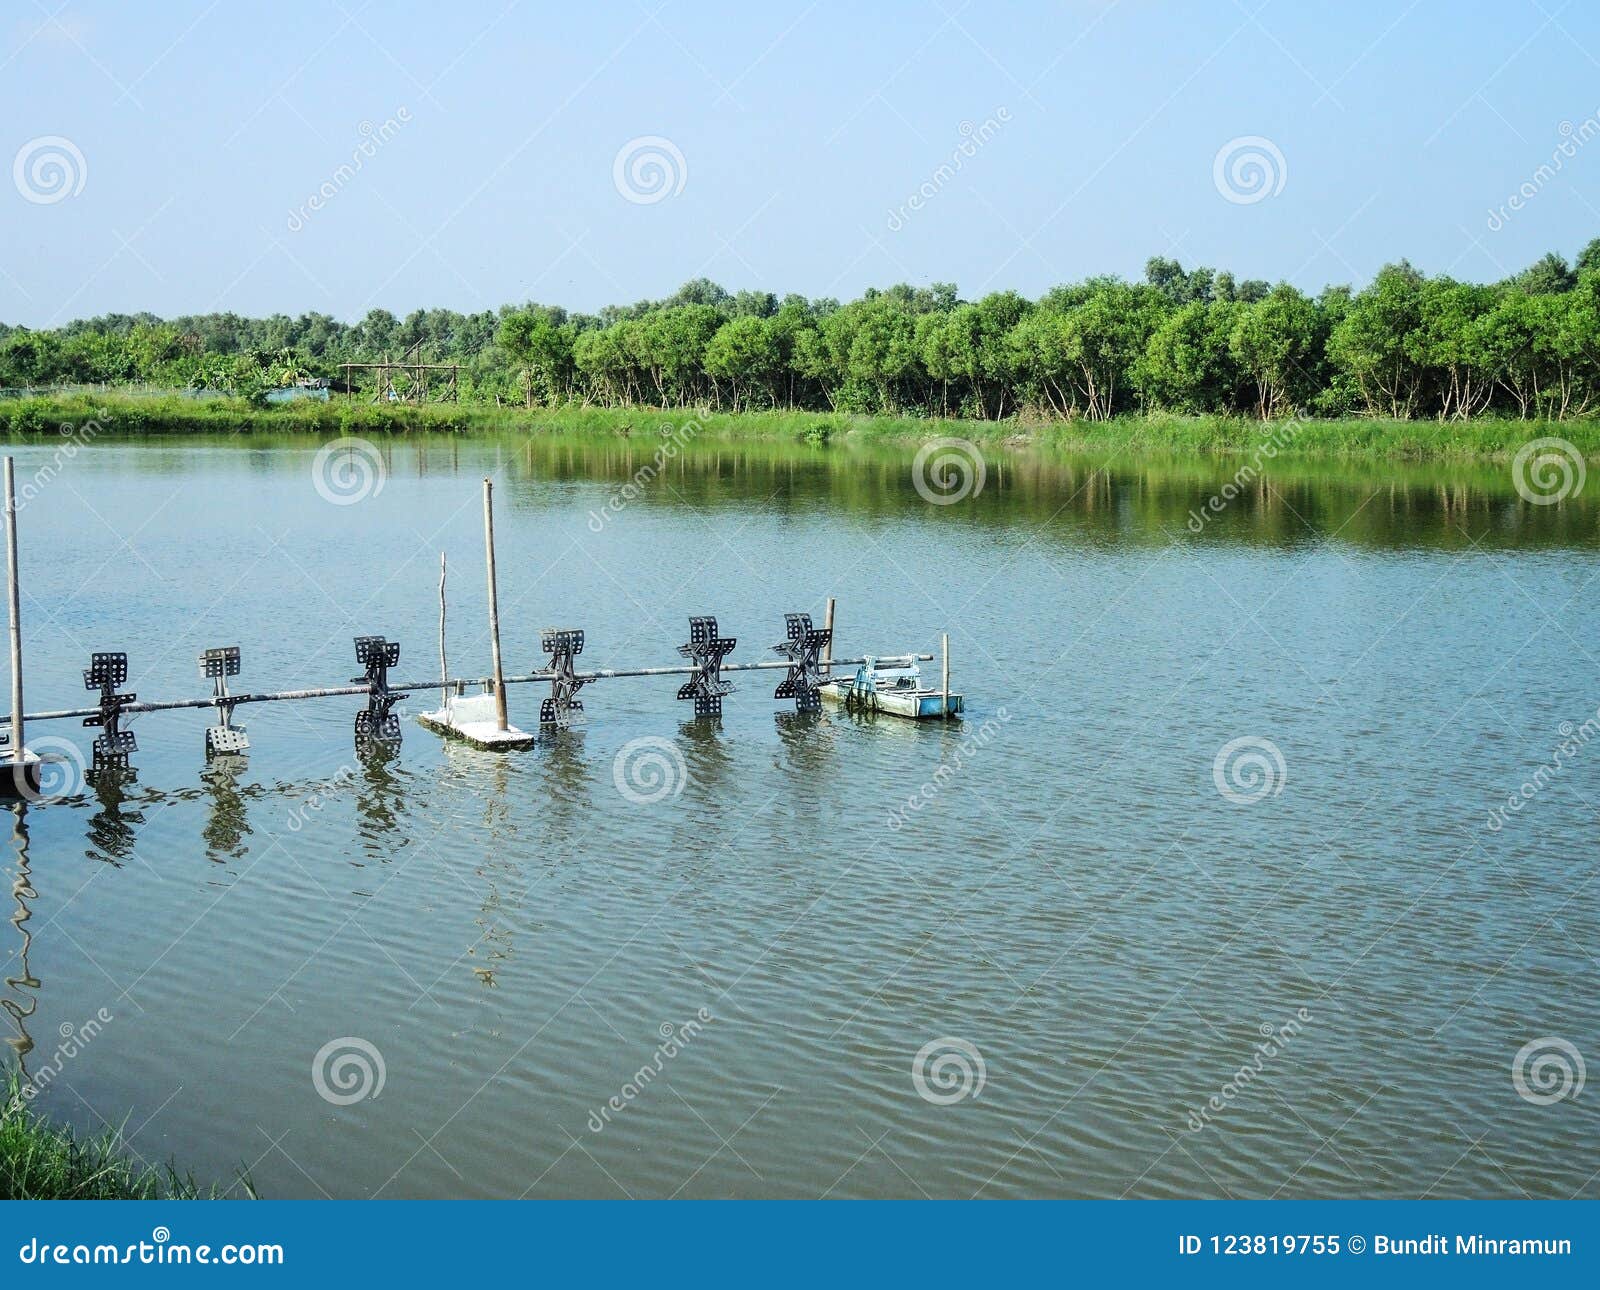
(165, 156)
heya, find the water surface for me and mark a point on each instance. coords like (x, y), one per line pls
(1073, 904)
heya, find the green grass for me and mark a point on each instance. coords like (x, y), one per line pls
(40, 1161)
(1350, 437)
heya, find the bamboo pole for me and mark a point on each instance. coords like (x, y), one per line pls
(827, 649)
(444, 668)
(494, 609)
(19, 747)
(944, 675)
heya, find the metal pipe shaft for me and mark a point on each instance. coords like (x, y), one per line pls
(333, 692)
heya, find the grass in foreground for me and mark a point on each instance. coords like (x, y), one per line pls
(115, 413)
(40, 1161)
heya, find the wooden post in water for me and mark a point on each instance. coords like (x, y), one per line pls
(444, 668)
(494, 609)
(944, 683)
(827, 649)
(19, 746)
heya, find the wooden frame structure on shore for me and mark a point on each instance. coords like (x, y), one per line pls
(414, 368)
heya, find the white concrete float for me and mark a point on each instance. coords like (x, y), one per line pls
(471, 718)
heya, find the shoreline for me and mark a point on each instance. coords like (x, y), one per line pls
(44, 1160)
(135, 415)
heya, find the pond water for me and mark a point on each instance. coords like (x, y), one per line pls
(1084, 958)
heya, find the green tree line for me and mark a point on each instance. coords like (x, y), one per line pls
(1189, 341)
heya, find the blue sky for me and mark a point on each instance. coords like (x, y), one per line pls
(191, 137)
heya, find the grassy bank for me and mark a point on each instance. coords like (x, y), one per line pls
(130, 414)
(39, 1161)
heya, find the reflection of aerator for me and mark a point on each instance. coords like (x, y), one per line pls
(217, 665)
